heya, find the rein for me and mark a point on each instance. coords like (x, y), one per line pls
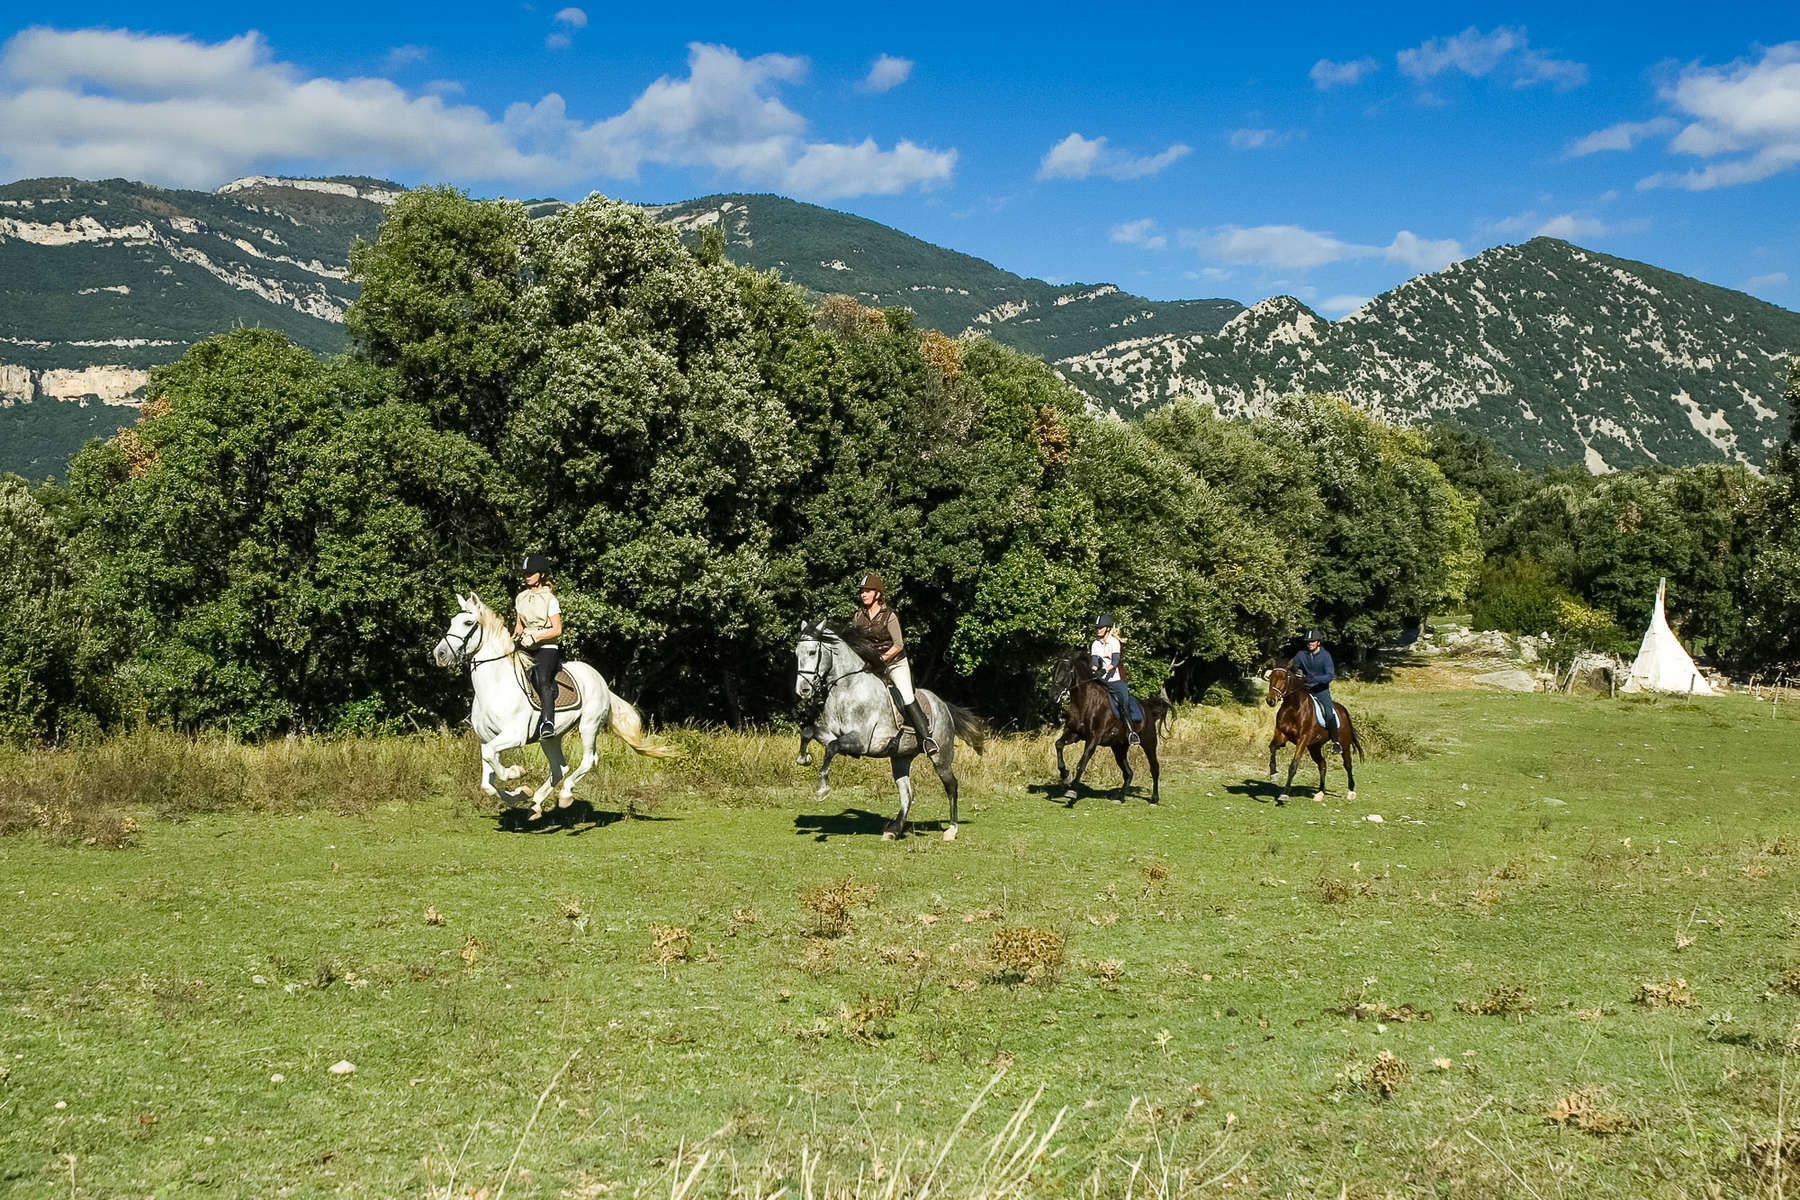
(822, 676)
(467, 651)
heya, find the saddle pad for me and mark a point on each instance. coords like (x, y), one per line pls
(566, 695)
(1319, 712)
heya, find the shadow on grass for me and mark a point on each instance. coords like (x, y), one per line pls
(857, 822)
(580, 817)
(1059, 792)
(1263, 791)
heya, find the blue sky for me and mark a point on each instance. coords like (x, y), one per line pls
(1182, 151)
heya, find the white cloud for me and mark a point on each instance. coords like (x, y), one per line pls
(1255, 139)
(405, 56)
(1337, 306)
(557, 41)
(1773, 279)
(887, 73)
(1622, 136)
(574, 18)
(1568, 226)
(1503, 52)
(1327, 74)
(1751, 109)
(97, 103)
(1293, 248)
(1076, 157)
(1141, 232)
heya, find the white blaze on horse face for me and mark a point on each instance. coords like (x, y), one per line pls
(806, 654)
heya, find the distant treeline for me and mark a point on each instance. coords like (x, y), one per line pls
(709, 459)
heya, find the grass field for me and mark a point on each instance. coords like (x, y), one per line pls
(1564, 962)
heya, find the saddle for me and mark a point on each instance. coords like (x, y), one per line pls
(566, 696)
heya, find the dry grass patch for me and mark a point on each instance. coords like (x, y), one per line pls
(1671, 993)
(1388, 1074)
(670, 944)
(867, 1022)
(830, 905)
(1023, 953)
(1509, 999)
(1587, 1111)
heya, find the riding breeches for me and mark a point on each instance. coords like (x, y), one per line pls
(1322, 698)
(1124, 704)
(546, 661)
(900, 675)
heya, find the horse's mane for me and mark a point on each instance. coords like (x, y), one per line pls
(494, 626)
(848, 632)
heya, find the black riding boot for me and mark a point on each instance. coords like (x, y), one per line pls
(922, 727)
(1336, 747)
(544, 666)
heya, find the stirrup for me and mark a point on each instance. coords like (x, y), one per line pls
(546, 730)
(1132, 738)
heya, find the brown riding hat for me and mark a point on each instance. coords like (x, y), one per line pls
(872, 582)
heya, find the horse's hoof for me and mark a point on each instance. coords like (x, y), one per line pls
(1118, 799)
(537, 814)
(821, 789)
(804, 760)
(1271, 777)
(1318, 797)
(1154, 802)
(950, 834)
(1069, 795)
(1281, 799)
(1349, 795)
(565, 801)
(888, 835)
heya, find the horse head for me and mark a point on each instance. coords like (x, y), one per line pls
(1072, 667)
(812, 661)
(1278, 684)
(465, 633)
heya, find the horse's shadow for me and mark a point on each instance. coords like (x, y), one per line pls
(578, 818)
(1262, 791)
(855, 822)
(1058, 792)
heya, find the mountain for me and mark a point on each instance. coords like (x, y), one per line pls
(829, 252)
(1560, 354)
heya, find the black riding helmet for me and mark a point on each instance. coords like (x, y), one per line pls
(535, 564)
(1312, 635)
(1105, 620)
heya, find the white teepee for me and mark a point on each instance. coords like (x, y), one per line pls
(1662, 665)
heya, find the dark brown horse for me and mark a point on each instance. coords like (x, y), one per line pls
(1089, 718)
(1298, 722)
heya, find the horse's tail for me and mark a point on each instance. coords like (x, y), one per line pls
(969, 727)
(1355, 742)
(625, 722)
(1166, 717)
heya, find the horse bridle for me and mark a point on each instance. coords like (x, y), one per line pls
(1279, 692)
(465, 653)
(821, 675)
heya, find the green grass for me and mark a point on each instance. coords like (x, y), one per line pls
(1541, 855)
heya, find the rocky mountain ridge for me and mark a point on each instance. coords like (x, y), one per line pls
(1561, 355)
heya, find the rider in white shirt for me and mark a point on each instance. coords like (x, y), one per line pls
(1106, 656)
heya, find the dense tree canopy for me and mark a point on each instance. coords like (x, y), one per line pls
(709, 457)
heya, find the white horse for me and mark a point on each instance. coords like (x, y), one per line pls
(857, 717)
(505, 715)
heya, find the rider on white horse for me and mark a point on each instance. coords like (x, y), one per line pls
(537, 628)
(881, 625)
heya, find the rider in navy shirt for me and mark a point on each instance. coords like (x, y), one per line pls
(1316, 671)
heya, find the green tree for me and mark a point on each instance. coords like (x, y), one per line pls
(1396, 541)
(39, 629)
(440, 292)
(270, 548)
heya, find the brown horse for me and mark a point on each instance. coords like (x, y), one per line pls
(1297, 722)
(1089, 718)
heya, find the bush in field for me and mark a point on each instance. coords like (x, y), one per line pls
(39, 628)
(1517, 595)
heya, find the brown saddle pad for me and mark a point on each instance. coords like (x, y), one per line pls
(566, 695)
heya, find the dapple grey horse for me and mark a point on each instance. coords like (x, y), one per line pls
(858, 717)
(505, 716)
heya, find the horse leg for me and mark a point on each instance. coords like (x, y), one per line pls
(590, 734)
(948, 777)
(1075, 784)
(1345, 736)
(1119, 753)
(903, 783)
(1275, 744)
(492, 770)
(558, 768)
(1318, 754)
(1062, 768)
(825, 767)
(1155, 770)
(1293, 766)
(807, 734)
